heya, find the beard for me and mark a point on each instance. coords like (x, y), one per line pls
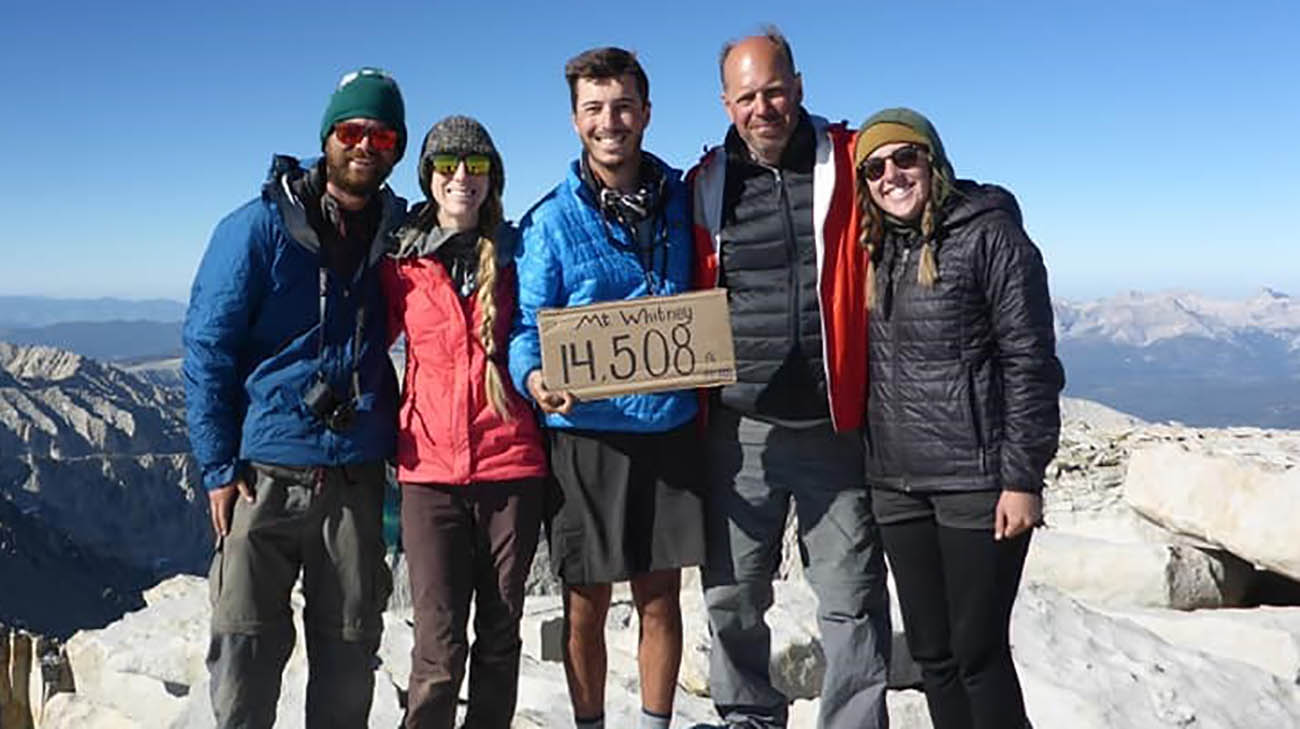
(362, 182)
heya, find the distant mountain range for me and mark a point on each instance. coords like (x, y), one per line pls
(113, 330)
(38, 311)
(1142, 319)
(111, 341)
(1186, 357)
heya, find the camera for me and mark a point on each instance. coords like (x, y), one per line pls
(337, 414)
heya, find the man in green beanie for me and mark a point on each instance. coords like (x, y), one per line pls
(291, 403)
(368, 98)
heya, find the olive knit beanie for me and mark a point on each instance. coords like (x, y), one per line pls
(899, 125)
(367, 93)
(460, 135)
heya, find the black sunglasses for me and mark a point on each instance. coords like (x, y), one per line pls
(905, 158)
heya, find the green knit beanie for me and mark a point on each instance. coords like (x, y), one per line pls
(367, 93)
(900, 125)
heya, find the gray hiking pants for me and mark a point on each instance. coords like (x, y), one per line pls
(328, 524)
(755, 469)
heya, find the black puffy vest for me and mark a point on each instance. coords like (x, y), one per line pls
(769, 266)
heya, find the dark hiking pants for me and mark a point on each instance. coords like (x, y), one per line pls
(956, 588)
(462, 542)
(328, 524)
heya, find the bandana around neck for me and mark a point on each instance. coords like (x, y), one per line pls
(628, 208)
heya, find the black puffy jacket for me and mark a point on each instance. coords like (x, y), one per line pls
(964, 380)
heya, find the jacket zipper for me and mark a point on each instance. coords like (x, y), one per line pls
(791, 257)
(466, 413)
(896, 274)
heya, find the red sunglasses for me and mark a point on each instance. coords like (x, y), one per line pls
(350, 134)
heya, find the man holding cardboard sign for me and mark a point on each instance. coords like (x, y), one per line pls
(773, 207)
(615, 230)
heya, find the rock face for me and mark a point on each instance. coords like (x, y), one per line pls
(1264, 637)
(1095, 415)
(99, 497)
(60, 405)
(1108, 572)
(161, 372)
(146, 685)
(146, 671)
(1084, 670)
(1086, 481)
(1103, 550)
(1245, 504)
(1081, 668)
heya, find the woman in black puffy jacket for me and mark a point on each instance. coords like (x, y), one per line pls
(962, 414)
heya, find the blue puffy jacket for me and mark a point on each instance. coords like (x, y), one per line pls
(565, 258)
(252, 344)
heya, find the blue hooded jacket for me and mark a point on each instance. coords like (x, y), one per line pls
(253, 342)
(566, 258)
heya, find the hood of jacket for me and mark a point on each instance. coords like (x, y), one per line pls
(970, 200)
(278, 190)
(410, 241)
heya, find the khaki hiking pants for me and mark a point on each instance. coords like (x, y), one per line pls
(328, 524)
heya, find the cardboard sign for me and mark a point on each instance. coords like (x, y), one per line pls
(640, 345)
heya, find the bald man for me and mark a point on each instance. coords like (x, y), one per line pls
(771, 219)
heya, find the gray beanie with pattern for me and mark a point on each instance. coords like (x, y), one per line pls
(460, 135)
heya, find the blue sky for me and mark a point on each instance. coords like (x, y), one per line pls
(1152, 145)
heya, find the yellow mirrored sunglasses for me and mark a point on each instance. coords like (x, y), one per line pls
(475, 164)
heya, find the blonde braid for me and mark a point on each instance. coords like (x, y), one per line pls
(494, 389)
(927, 268)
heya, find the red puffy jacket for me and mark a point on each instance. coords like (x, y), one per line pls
(447, 431)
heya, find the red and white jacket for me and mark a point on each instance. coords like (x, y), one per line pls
(841, 261)
(447, 431)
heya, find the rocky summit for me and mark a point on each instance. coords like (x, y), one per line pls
(1161, 593)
